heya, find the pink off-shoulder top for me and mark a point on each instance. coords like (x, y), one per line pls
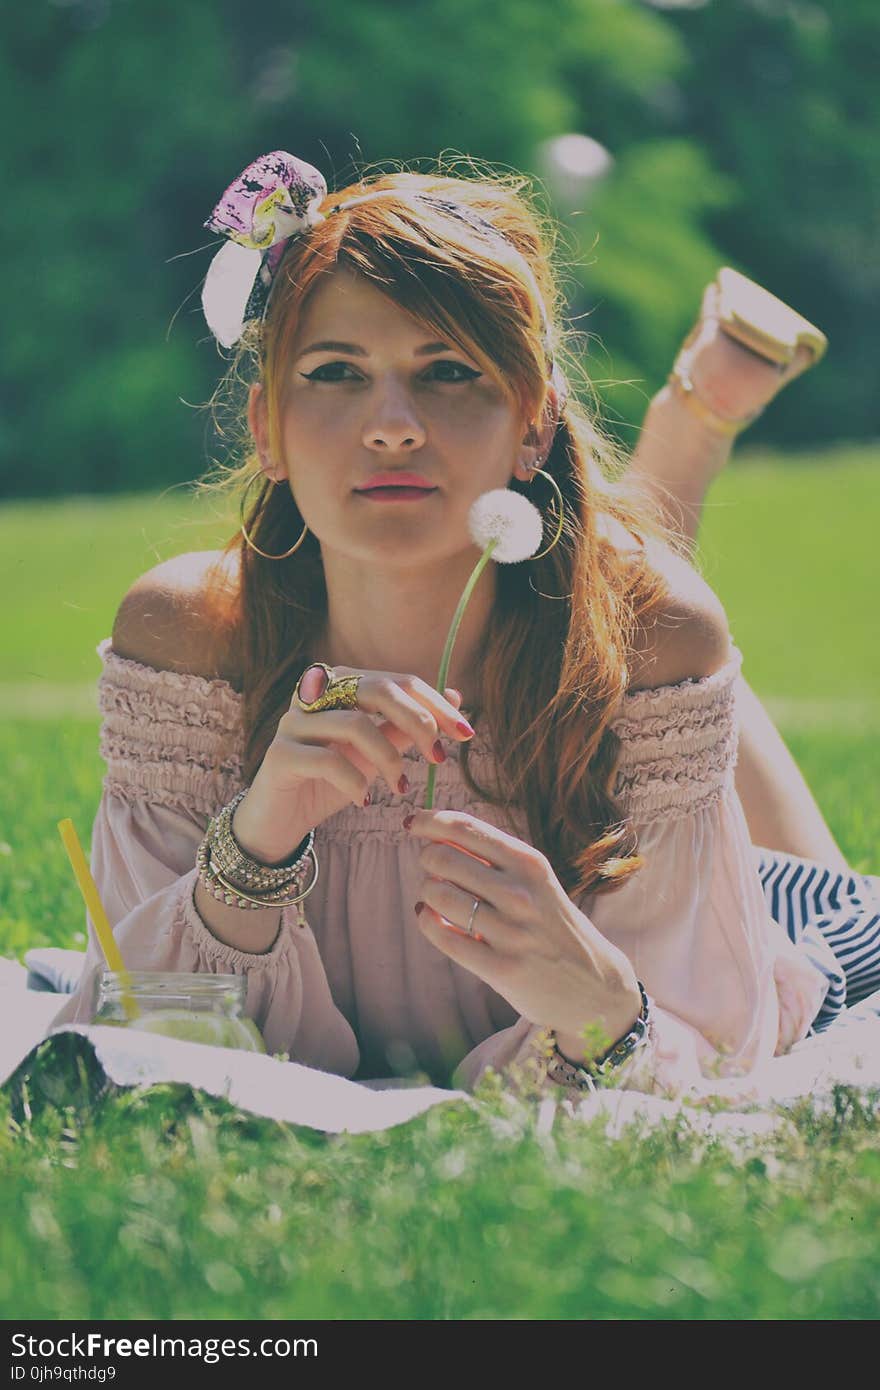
(358, 990)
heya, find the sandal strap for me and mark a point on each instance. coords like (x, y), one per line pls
(680, 381)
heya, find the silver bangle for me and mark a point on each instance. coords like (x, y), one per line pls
(230, 859)
(214, 882)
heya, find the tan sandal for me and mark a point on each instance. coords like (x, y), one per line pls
(755, 319)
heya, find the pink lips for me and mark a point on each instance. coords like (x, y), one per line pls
(396, 494)
(396, 480)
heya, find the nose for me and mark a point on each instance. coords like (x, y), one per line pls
(393, 423)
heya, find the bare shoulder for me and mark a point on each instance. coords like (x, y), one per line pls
(688, 637)
(176, 616)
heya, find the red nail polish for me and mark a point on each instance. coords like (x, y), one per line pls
(439, 752)
(419, 907)
(367, 799)
(403, 783)
(464, 727)
(408, 820)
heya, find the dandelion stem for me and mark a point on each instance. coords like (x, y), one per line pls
(450, 643)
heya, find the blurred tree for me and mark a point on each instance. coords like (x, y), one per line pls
(105, 134)
(738, 132)
(785, 98)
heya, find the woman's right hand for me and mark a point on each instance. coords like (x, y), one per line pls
(320, 762)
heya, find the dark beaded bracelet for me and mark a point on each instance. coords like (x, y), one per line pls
(566, 1073)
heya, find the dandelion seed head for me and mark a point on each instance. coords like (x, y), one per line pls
(510, 519)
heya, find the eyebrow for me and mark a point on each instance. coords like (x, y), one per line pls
(353, 350)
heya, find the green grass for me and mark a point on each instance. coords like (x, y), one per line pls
(792, 550)
(69, 562)
(168, 1204)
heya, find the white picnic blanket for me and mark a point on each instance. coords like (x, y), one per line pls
(847, 1053)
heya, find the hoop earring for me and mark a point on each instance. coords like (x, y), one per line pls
(533, 468)
(247, 537)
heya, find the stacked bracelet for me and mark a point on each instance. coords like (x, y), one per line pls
(229, 857)
(220, 888)
(226, 872)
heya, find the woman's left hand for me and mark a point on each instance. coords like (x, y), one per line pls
(530, 943)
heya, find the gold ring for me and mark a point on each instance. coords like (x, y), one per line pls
(340, 692)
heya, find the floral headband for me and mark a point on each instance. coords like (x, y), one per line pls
(274, 199)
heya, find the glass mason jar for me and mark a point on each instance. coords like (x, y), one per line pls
(195, 1008)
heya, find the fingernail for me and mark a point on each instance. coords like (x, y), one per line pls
(419, 907)
(464, 727)
(408, 820)
(403, 783)
(438, 752)
(313, 683)
(452, 690)
(367, 799)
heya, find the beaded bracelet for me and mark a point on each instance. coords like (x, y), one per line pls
(230, 859)
(214, 883)
(566, 1073)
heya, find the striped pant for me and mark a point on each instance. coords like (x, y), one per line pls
(836, 917)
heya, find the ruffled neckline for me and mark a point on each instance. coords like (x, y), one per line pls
(634, 705)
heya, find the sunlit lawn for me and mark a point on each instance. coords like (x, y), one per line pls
(166, 1204)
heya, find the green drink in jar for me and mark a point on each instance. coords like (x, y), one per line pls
(191, 1007)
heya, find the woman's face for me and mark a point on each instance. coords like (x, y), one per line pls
(383, 397)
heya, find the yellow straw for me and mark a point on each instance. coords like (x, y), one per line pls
(95, 909)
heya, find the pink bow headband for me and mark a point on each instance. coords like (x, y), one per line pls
(275, 198)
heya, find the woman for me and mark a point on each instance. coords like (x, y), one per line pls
(589, 862)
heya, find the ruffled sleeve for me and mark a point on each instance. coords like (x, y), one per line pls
(172, 745)
(730, 990)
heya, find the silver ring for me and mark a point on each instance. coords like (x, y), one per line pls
(470, 926)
